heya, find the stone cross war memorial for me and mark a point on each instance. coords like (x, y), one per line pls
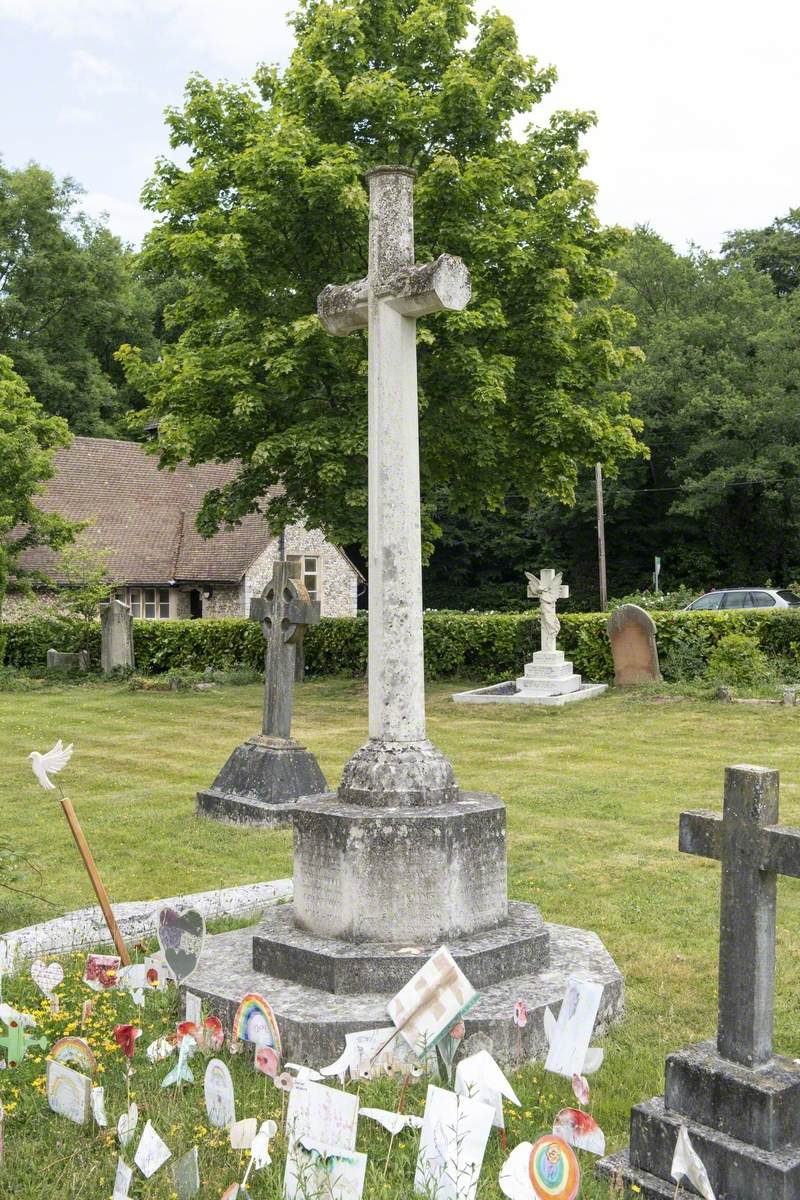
(400, 860)
(265, 775)
(740, 1102)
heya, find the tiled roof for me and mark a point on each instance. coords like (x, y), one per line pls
(145, 516)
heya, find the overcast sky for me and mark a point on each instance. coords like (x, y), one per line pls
(699, 128)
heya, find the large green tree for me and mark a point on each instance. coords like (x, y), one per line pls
(28, 437)
(69, 296)
(515, 393)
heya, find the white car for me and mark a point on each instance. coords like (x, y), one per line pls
(729, 598)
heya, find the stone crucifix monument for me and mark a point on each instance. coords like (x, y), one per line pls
(740, 1102)
(399, 860)
(548, 678)
(263, 778)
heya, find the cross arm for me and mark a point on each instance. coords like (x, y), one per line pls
(780, 850)
(413, 291)
(701, 833)
(257, 609)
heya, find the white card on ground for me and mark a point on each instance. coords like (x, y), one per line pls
(319, 1170)
(68, 1092)
(194, 1009)
(151, 1152)
(452, 1144)
(321, 1115)
(574, 1027)
(186, 1175)
(218, 1088)
(480, 1078)
(431, 1002)
(122, 1180)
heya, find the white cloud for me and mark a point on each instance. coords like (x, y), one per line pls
(97, 76)
(68, 18)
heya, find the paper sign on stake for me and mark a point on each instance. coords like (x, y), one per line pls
(122, 1180)
(126, 1125)
(431, 1002)
(515, 1179)
(102, 971)
(330, 1171)
(152, 1152)
(242, 1133)
(68, 1092)
(580, 1130)
(322, 1116)
(553, 1169)
(219, 1096)
(452, 1144)
(181, 936)
(574, 1027)
(99, 1106)
(686, 1163)
(186, 1175)
(480, 1078)
(194, 1009)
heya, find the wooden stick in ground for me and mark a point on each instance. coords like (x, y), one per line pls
(97, 883)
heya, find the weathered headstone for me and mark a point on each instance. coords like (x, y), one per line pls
(68, 660)
(263, 778)
(548, 678)
(399, 860)
(116, 633)
(740, 1102)
(632, 632)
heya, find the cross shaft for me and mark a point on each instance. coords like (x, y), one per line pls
(395, 292)
(753, 850)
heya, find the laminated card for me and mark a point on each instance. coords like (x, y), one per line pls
(431, 1002)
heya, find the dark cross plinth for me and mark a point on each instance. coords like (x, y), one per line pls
(284, 610)
(754, 850)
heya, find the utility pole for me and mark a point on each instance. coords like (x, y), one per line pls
(601, 533)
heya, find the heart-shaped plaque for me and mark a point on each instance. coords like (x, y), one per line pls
(180, 936)
(47, 976)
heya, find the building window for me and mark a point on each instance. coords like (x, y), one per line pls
(151, 603)
(310, 569)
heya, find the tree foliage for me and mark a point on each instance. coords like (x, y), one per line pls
(515, 393)
(28, 437)
(69, 296)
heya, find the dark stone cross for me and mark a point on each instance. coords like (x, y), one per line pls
(284, 610)
(753, 850)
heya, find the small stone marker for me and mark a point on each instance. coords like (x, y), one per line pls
(740, 1102)
(266, 774)
(116, 631)
(68, 660)
(632, 632)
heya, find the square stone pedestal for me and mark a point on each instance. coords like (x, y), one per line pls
(744, 1122)
(261, 782)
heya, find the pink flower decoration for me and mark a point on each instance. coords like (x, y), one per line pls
(520, 1014)
(125, 1036)
(581, 1089)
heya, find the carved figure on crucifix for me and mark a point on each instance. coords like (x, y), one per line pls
(547, 589)
(285, 610)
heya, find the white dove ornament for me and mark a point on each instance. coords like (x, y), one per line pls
(45, 765)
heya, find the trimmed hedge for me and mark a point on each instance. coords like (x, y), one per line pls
(480, 646)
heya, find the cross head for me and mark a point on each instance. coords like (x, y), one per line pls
(284, 610)
(753, 850)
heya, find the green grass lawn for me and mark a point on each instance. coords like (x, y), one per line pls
(593, 794)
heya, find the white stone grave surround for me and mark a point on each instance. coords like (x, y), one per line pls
(399, 861)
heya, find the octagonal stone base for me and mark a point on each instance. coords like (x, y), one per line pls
(520, 946)
(313, 1022)
(404, 874)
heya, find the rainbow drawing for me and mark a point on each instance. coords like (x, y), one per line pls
(553, 1169)
(75, 1050)
(255, 1022)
